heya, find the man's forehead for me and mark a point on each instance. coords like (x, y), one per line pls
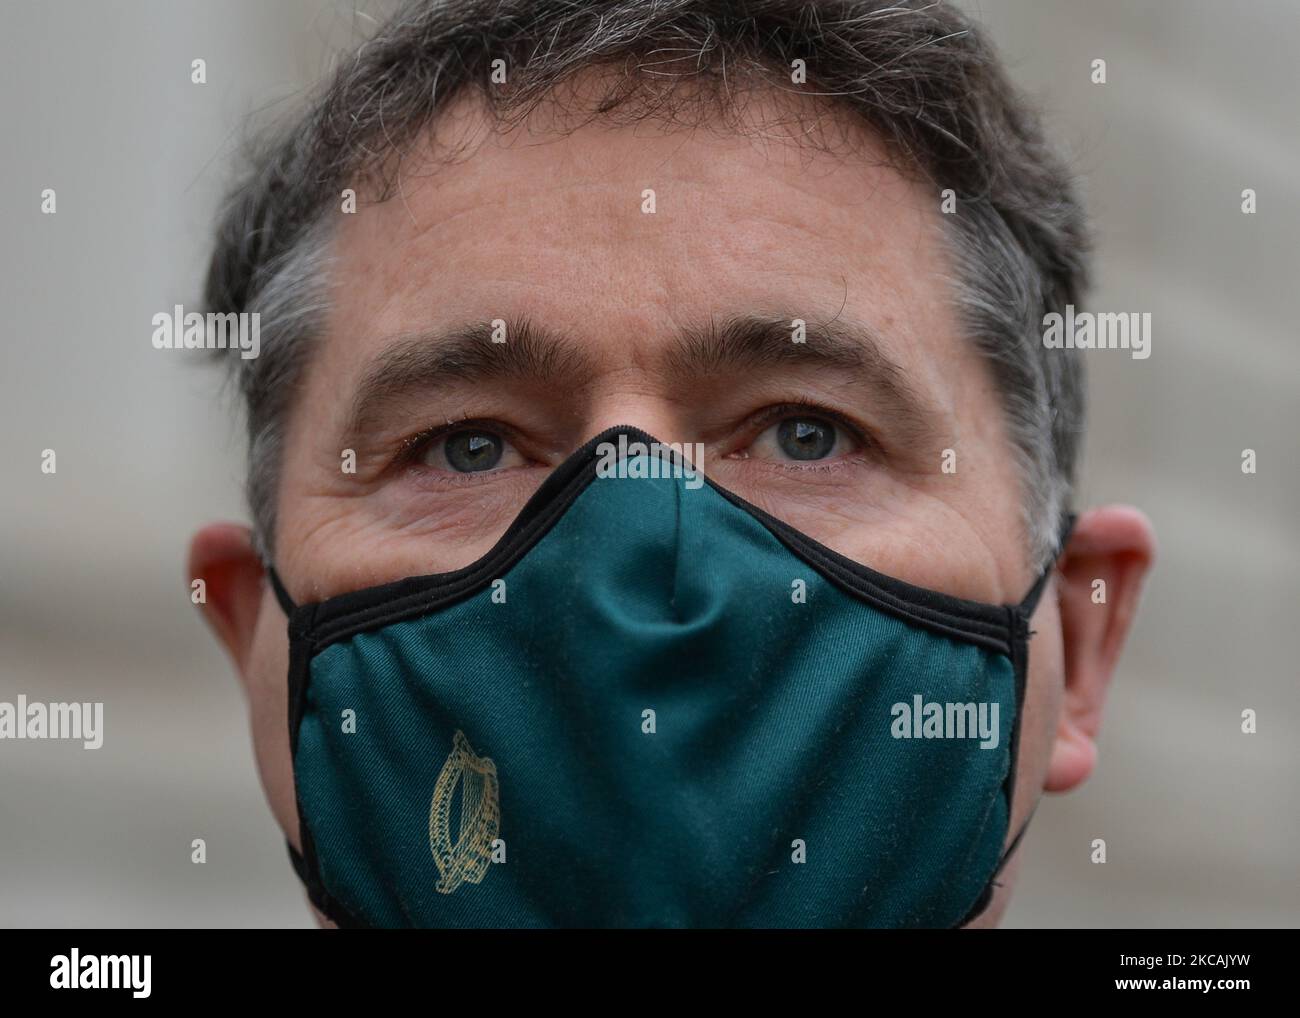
(645, 186)
(635, 226)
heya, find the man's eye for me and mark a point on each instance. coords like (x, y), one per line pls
(801, 439)
(469, 452)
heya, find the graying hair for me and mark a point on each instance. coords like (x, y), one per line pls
(920, 75)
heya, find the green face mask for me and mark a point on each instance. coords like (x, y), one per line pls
(653, 704)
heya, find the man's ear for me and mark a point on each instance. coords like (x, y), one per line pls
(222, 556)
(1098, 582)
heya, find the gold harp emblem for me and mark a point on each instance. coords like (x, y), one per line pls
(470, 855)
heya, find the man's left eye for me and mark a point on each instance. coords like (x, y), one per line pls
(471, 451)
(802, 438)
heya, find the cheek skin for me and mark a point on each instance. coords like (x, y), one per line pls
(327, 555)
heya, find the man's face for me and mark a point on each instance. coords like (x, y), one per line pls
(555, 229)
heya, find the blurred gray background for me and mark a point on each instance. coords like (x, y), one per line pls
(1202, 823)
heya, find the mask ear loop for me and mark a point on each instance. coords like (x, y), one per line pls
(281, 594)
(1023, 611)
(306, 872)
(1031, 599)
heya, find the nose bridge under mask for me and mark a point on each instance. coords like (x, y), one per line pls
(632, 544)
(655, 549)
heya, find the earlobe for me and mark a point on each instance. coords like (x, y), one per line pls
(1099, 582)
(222, 556)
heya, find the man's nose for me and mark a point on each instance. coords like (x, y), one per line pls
(657, 414)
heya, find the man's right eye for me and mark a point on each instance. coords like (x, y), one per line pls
(468, 451)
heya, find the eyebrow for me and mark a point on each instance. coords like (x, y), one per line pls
(767, 341)
(427, 362)
(437, 360)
